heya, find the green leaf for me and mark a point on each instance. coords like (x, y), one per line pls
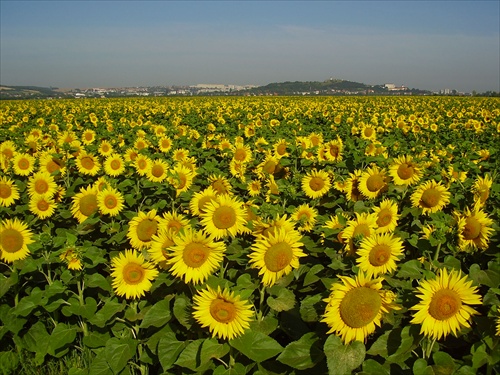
(27, 304)
(267, 325)
(36, 340)
(95, 339)
(370, 366)
(108, 311)
(343, 359)
(480, 356)
(96, 280)
(169, 349)
(118, 352)
(443, 363)
(489, 277)
(61, 336)
(189, 357)
(212, 349)
(420, 368)
(284, 301)
(411, 269)
(308, 309)
(181, 310)
(9, 361)
(6, 283)
(302, 354)
(157, 315)
(256, 345)
(311, 276)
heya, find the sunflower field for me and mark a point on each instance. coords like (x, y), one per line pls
(250, 235)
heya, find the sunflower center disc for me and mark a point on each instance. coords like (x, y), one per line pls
(182, 181)
(115, 164)
(146, 229)
(430, 198)
(281, 149)
(334, 151)
(110, 202)
(23, 164)
(5, 191)
(87, 162)
(472, 228)
(52, 166)
(219, 187)
(278, 256)
(379, 255)
(41, 186)
(316, 183)
(203, 202)
(375, 183)
(222, 311)
(42, 205)
(11, 240)
(360, 306)
(174, 225)
(384, 218)
(157, 171)
(269, 167)
(444, 304)
(133, 273)
(405, 171)
(224, 217)
(142, 164)
(240, 154)
(88, 205)
(195, 254)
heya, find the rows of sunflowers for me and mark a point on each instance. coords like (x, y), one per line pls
(250, 235)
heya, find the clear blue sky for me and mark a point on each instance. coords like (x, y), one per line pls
(422, 44)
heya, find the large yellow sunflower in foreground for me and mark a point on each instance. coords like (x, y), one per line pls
(356, 306)
(224, 217)
(14, 240)
(443, 308)
(195, 256)
(131, 274)
(276, 254)
(8, 192)
(474, 229)
(373, 182)
(431, 196)
(225, 314)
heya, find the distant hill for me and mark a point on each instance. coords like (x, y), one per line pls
(29, 92)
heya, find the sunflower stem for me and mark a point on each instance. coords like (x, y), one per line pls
(261, 304)
(436, 255)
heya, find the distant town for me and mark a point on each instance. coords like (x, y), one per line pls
(328, 87)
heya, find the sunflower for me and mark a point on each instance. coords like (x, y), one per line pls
(356, 307)
(474, 229)
(42, 183)
(84, 204)
(373, 182)
(387, 216)
(88, 136)
(9, 192)
(114, 165)
(8, 149)
(276, 254)
(142, 228)
(110, 201)
(316, 183)
(88, 164)
(481, 189)
(333, 150)
(254, 188)
(369, 133)
(23, 164)
(200, 199)
(404, 171)
(160, 243)
(305, 217)
(181, 178)
(142, 164)
(280, 148)
(265, 227)
(180, 154)
(195, 256)
(238, 170)
(443, 308)
(241, 153)
(269, 166)
(131, 274)
(14, 240)
(105, 148)
(225, 314)
(220, 184)
(351, 187)
(51, 163)
(378, 254)
(157, 171)
(72, 257)
(363, 226)
(224, 217)
(498, 321)
(42, 206)
(173, 221)
(431, 197)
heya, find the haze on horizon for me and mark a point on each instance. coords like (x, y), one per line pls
(429, 45)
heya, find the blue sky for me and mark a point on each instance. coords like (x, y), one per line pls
(423, 44)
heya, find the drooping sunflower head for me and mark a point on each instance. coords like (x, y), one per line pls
(142, 228)
(276, 254)
(387, 216)
(161, 242)
(200, 199)
(225, 314)
(474, 229)
(431, 196)
(84, 204)
(444, 306)
(131, 274)
(14, 240)
(356, 306)
(351, 187)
